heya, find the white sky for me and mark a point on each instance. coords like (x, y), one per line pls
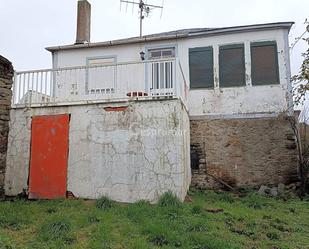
(28, 26)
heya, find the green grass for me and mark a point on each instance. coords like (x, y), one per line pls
(245, 222)
(169, 200)
(104, 203)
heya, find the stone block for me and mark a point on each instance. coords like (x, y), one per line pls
(1, 179)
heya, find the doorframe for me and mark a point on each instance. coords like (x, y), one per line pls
(152, 47)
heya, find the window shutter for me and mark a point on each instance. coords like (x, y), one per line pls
(201, 67)
(232, 65)
(264, 63)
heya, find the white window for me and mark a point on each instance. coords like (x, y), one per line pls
(161, 53)
(101, 75)
(162, 72)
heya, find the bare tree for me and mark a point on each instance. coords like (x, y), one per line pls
(300, 132)
(301, 86)
(301, 80)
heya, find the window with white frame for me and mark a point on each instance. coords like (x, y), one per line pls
(162, 70)
(101, 75)
(161, 53)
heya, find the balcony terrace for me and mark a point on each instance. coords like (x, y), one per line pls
(100, 83)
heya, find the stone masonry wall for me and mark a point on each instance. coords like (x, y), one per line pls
(6, 75)
(242, 152)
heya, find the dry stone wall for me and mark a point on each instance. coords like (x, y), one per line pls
(6, 81)
(242, 152)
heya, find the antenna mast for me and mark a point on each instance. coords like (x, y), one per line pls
(144, 8)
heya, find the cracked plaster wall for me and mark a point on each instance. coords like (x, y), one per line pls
(129, 155)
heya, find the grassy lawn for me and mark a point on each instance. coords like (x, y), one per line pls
(210, 221)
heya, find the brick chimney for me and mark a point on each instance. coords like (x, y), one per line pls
(83, 22)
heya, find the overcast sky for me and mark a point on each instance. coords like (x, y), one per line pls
(28, 26)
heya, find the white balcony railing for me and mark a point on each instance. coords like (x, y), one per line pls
(146, 79)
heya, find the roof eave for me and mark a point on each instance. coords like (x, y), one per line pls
(228, 30)
(250, 28)
(117, 42)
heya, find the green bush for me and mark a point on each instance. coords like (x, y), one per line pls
(104, 203)
(169, 199)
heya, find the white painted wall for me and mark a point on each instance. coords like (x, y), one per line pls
(131, 155)
(234, 100)
(241, 100)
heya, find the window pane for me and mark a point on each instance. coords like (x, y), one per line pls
(167, 53)
(155, 54)
(161, 53)
(201, 67)
(168, 74)
(232, 66)
(162, 75)
(155, 75)
(264, 63)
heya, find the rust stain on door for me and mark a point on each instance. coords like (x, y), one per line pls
(49, 157)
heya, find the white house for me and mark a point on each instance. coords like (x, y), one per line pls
(121, 118)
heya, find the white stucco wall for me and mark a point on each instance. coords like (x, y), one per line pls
(246, 99)
(128, 155)
(218, 101)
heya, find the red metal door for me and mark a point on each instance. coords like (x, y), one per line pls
(49, 157)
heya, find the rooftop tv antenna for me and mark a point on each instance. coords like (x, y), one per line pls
(144, 9)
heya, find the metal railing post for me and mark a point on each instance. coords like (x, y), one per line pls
(175, 78)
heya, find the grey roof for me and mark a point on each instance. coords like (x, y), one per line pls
(177, 34)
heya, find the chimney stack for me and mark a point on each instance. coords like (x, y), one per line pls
(83, 22)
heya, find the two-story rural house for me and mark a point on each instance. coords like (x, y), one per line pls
(134, 118)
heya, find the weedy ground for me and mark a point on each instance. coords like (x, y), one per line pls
(210, 221)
